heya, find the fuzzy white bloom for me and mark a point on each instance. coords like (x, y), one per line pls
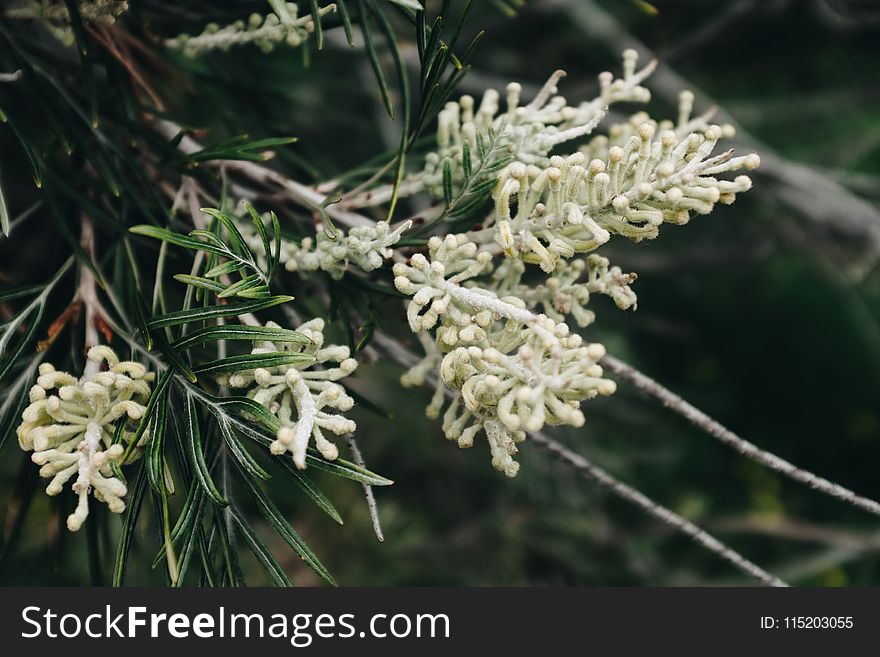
(366, 247)
(56, 17)
(529, 131)
(535, 381)
(70, 423)
(435, 286)
(299, 394)
(643, 180)
(514, 370)
(265, 32)
(564, 293)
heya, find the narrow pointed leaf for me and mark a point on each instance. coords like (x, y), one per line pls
(345, 469)
(261, 552)
(213, 312)
(252, 361)
(240, 332)
(201, 283)
(177, 239)
(158, 392)
(223, 268)
(373, 56)
(4, 213)
(196, 454)
(346, 21)
(308, 487)
(245, 284)
(274, 517)
(155, 459)
(240, 453)
(129, 522)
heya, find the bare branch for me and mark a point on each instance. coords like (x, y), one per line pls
(744, 447)
(302, 194)
(87, 294)
(795, 530)
(587, 469)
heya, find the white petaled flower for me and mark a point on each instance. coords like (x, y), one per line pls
(70, 425)
(266, 32)
(300, 394)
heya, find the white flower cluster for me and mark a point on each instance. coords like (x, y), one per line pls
(514, 370)
(70, 425)
(366, 247)
(528, 132)
(563, 293)
(265, 32)
(56, 17)
(641, 180)
(298, 394)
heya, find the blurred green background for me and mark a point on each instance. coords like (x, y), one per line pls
(765, 314)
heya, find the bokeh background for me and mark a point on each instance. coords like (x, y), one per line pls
(765, 314)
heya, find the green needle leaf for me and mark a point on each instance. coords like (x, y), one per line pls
(213, 312)
(196, 454)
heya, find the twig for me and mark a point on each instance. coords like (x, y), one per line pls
(795, 530)
(630, 494)
(302, 194)
(744, 447)
(87, 294)
(585, 468)
(705, 33)
(368, 490)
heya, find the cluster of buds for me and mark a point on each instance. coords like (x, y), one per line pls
(512, 370)
(526, 132)
(366, 247)
(70, 426)
(563, 293)
(299, 394)
(56, 17)
(332, 251)
(435, 285)
(642, 180)
(541, 381)
(265, 32)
